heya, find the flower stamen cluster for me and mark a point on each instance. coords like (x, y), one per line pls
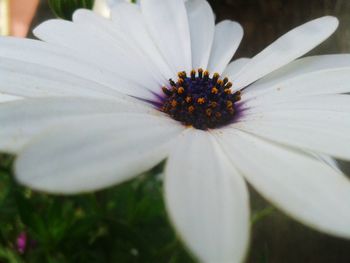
(200, 100)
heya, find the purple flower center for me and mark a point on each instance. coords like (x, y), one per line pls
(199, 100)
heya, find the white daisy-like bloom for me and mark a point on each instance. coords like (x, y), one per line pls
(98, 109)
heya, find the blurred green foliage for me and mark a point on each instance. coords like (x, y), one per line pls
(65, 8)
(126, 223)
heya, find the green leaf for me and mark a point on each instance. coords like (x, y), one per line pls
(65, 8)
(9, 255)
(28, 216)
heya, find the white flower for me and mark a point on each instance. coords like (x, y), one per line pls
(94, 114)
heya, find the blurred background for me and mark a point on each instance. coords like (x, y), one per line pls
(275, 238)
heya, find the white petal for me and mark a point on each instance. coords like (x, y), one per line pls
(6, 98)
(95, 152)
(307, 189)
(168, 24)
(130, 20)
(202, 26)
(234, 67)
(331, 102)
(328, 160)
(33, 80)
(228, 36)
(322, 82)
(118, 38)
(296, 69)
(101, 7)
(99, 46)
(44, 57)
(207, 199)
(290, 46)
(326, 132)
(112, 3)
(21, 120)
(313, 114)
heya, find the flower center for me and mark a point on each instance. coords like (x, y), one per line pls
(199, 100)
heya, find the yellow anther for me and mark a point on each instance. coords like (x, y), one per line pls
(229, 104)
(188, 99)
(180, 90)
(237, 97)
(191, 109)
(208, 112)
(228, 85)
(173, 103)
(166, 91)
(180, 81)
(214, 90)
(200, 72)
(228, 91)
(218, 115)
(193, 73)
(181, 74)
(213, 104)
(220, 82)
(201, 100)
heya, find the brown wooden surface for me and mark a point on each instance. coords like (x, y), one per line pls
(277, 238)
